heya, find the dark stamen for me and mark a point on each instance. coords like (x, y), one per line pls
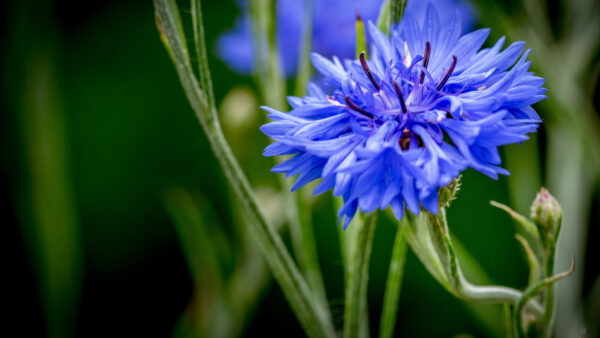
(405, 139)
(363, 62)
(448, 73)
(399, 93)
(405, 143)
(420, 143)
(426, 59)
(357, 108)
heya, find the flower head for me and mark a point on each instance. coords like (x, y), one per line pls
(393, 129)
(331, 34)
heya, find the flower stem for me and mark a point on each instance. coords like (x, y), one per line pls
(459, 286)
(272, 84)
(393, 285)
(284, 269)
(531, 292)
(304, 67)
(358, 277)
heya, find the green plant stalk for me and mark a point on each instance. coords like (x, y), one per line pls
(508, 333)
(284, 269)
(550, 302)
(273, 87)
(531, 292)
(202, 59)
(266, 58)
(393, 284)
(358, 277)
(459, 286)
(346, 241)
(311, 266)
(304, 66)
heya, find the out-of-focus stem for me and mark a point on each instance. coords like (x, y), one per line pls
(393, 284)
(304, 68)
(284, 269)
(272, 82)
(358, 277)
(50, 221)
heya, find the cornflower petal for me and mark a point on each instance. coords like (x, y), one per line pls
(392, 130)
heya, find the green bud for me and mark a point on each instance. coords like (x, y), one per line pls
(448, 193)
(547, 215)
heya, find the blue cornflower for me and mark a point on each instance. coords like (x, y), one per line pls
(332, 34)
(392, 130)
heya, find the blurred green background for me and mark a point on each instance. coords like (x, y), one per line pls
(99, 147)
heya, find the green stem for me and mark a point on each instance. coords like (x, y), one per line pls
(358, 277)
(531, 292)
(507, 321)
(311, 266)
(267, 62)
(393, 285)
(203, 69)
(459, 286)
(304, 69)
(273, 87)
(550, 302)
(284, 269)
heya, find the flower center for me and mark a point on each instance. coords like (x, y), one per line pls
(403, 94)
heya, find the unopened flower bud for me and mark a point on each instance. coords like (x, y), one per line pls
(547, 214)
